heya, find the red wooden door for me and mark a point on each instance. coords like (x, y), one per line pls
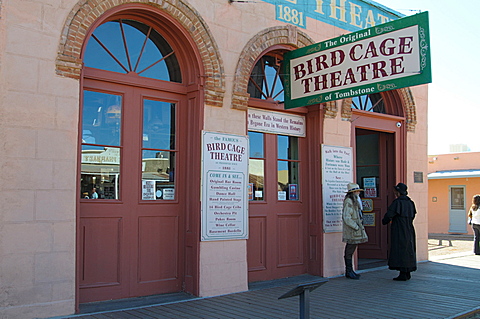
(131, 231)
(277, 211)
(375, 164)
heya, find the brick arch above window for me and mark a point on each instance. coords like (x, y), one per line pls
(260, 43)
(409, 107)
(404, 99)
(86, 12)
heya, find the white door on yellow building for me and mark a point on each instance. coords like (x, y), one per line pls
(457, 208)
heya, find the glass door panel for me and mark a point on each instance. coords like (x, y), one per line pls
(287, 165)
(158, 152)
(457, 198)
(100, 172)
(101, 141)
(256, 167)
(368, 164)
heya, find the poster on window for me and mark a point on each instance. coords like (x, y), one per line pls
(148, 190)
(337, 172)
(250, 191)
(367, 205)
(292, 191)
(224, 186)
(369, 182)
(369, 219)
(370, 192)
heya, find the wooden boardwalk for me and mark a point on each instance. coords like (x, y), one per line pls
(446, 288)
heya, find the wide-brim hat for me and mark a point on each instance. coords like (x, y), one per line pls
(401, 188)
(352, 187)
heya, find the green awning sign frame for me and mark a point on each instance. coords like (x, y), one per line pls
(389, 56)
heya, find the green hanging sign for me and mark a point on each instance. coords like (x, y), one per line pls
(386, 57)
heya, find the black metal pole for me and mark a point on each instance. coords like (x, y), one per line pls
(303, 291)
(305, 304)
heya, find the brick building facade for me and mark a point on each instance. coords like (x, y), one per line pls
(60, 99)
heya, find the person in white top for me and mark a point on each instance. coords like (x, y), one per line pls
(474, 220)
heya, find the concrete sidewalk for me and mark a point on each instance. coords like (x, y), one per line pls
(444, 288)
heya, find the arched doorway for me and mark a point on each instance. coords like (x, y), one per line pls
(140, 107)
(379, 128)
(274, 216)
(277, 244)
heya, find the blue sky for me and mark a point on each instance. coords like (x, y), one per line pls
(454, 111)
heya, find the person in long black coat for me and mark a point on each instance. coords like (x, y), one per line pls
(401, 213)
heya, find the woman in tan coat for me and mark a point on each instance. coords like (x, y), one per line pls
(353, 229)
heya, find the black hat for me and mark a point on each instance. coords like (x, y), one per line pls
(401, 188)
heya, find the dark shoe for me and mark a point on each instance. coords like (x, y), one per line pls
(358, 275)
(408, 276)
(351, 275)
(401, 277)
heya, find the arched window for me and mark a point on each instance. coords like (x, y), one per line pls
(128, 46)
(266, 80)
(383, 103)
(369, 103)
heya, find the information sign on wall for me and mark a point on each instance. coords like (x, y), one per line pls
(370, 192)
(367, 205)
(389, 56)
(224, 186)
(276, 122)
(370, 187)
(369, 219)
(337, 168)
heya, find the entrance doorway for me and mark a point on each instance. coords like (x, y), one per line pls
(375, 164)
(277, 237)
(131, 230)
(457, 223)
(278, 202)
(137, 118)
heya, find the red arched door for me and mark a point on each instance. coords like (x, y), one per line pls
(277, 244)
(134, 164)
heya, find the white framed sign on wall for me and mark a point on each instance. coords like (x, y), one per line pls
(224, 186)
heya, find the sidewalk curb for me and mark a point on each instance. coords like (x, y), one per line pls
(465, 314)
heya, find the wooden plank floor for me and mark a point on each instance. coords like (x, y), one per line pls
(444, 288)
